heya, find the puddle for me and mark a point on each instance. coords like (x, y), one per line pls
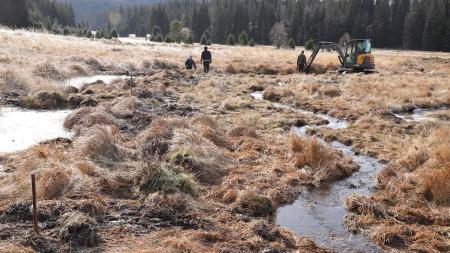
(419, 115)
(258, 95)
(320, 213)
(79, 81)
(20, 129)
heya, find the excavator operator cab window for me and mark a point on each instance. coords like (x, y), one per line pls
(364, 47)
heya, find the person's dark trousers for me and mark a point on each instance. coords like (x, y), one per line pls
(206, 66)
(301, 67)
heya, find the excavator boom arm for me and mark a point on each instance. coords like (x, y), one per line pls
(325, 45)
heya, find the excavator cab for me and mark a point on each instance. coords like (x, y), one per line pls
(358, 55)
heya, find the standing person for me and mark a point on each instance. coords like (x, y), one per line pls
(190, 63)
(301, 62)
(206, 59)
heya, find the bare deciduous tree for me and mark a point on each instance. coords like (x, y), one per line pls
(278, 35)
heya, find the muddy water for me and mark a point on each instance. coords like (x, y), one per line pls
(79, 81)
(319, 214)
(20, 129)
(419, 115)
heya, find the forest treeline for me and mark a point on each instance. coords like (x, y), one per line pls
(43, 14)
(409, 24)
(49, 15)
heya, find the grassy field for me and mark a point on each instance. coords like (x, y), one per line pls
(192, 163)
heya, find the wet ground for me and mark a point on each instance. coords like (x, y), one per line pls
(320, 213)
(21, 128)
(419, 114)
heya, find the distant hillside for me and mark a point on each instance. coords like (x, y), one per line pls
(92, 11)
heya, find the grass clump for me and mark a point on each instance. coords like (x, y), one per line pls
(12, 81)
(165, 178)
(331, 91)
(166, 206)
(206, 170)
(124, 107)
(88, 117)
(275, 95)
(99, 143)
(159, 64)
(436, 177)
(255, 205)
(322, 162)
(52, 183)
(45, 100)
(48, 71)
(78, 230)
(437, 184)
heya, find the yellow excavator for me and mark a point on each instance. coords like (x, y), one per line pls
(358, 55)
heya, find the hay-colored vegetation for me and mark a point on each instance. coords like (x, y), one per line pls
(190, 162)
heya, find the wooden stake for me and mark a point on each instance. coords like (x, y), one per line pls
(33, 190)
(131, 85)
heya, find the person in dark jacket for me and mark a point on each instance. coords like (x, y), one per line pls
(190, 63)
(301, 62)
(206, 59)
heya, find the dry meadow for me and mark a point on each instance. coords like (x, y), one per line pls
(190, 162)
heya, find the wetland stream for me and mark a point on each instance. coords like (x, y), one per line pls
(320, 213)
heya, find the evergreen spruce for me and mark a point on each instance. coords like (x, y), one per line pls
(309, 44)
(291, 43)
(159, 37)
(230, 40)
(204, 39)
(243, 38)
(251, 42)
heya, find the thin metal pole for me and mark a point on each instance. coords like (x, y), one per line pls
(33, 190)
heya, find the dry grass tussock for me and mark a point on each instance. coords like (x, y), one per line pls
(55, 175)
(124, 107)
(165, 178)
(45, 100)
(194, 148)
(87, 117)
(436, 177)
(411, 208)
(48, 70)
(9, 247)
(100, 143)
(12, 81)
(276, 94)
(324, 163)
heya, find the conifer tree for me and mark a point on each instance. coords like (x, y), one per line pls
(230, 40)
(243, 38)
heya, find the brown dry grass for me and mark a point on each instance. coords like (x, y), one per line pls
(411, 205)
(88, 117)
(325, 163)
(235, 147)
